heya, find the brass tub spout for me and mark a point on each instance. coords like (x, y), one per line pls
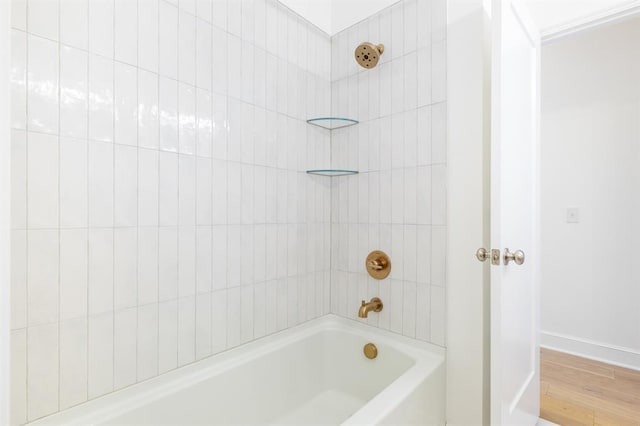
(374, 305)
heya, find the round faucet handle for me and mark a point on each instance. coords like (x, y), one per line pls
(378, 265)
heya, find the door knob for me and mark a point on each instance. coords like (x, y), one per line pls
(482, 254)
(517, 257)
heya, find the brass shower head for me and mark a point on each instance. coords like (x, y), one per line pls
(368, 54)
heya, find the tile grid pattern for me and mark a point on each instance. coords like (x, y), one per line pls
(183, 117)
(398, 201)
(159, 211)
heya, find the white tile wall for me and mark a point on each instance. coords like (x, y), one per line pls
(160, 209)
(398, 201)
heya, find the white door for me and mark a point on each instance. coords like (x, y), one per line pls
(515, 373)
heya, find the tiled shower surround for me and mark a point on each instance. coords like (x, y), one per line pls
(398, 201)
(161, 213)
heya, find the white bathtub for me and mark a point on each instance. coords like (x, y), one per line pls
(315, 373)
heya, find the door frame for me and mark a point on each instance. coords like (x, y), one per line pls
(468, 167)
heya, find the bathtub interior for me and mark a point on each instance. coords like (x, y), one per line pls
(323, 378)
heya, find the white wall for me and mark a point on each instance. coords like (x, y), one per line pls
(398, 201)
(591, 157)
(160, 211)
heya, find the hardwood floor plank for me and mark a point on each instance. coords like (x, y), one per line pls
(544, 387)
(621, 373)
(627, 391)
(580, 397)
(578, 363)
(605, 418)
(565, 413)
(572, 387)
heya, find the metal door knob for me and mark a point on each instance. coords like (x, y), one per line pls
(482, 254)
(517, 257)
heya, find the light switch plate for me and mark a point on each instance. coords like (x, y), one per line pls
(573, 215)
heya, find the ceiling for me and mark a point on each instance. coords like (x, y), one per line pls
(333, 16)
(550, 14)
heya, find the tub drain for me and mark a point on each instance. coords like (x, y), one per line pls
(370, 350)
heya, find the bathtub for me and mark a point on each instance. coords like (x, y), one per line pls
(315, 373)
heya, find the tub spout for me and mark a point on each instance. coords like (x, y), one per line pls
(374, 305)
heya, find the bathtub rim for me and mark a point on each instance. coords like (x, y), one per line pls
(428, 357)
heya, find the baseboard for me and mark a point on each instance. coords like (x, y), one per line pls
(597, 351)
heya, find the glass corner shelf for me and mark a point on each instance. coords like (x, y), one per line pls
(332, 172)
(332, 123)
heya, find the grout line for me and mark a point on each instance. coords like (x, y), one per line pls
(211, 182)
(178, 153)
(59, 233)
(137, 203)
(27, 231)
(113, 208)
(158, 188)
(195, 201)
(87, 156)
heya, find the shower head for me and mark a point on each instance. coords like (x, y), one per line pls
(368, 54)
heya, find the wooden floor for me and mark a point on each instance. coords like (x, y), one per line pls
(578, 391)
